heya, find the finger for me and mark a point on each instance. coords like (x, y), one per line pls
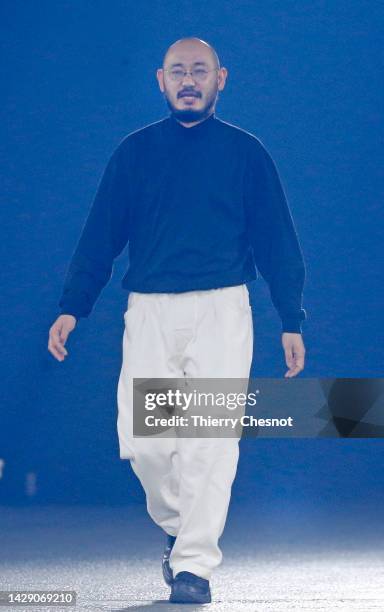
(293, 371)
(63, 336)
(297, 356)
(290, 374)
(57, 341)
(57, 347)
(55, 336)
(55, 353)
(289, 358)
(296, 365)
(60, 348)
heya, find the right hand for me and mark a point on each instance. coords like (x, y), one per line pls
(58, 335)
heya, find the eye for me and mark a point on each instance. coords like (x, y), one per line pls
(200, 72)
(178, 74)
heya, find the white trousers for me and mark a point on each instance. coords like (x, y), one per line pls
(187, 481)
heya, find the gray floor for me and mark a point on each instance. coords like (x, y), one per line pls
(273, 560)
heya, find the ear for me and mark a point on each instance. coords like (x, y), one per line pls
(222, 77)
(160, 78)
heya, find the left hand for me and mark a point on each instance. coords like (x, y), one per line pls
(294, 353)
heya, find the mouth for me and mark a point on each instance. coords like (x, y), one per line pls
(189, 100)
(189, 95)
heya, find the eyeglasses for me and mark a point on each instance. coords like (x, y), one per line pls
(198, 74)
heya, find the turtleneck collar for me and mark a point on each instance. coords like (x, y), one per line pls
(198, 128)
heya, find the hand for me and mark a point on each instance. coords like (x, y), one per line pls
(58, 335)
(294, 353)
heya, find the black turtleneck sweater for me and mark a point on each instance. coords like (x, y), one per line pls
(199, 207)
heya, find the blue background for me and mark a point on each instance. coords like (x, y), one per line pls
(303, 77)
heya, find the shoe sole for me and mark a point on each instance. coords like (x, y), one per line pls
(189, 599)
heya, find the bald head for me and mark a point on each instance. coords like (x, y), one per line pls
(191, 47)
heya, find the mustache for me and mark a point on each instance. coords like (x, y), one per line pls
(189, 92)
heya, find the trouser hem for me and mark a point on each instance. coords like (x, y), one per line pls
(203, 572)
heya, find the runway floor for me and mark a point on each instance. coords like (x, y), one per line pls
(273, 561)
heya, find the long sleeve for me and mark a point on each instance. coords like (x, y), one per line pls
(277, 252)
(103, 237)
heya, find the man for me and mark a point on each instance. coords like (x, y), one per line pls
(200, 203)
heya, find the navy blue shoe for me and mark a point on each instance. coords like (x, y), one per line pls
(189, 588)
(167, 571)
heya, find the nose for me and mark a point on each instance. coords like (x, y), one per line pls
(189, 77)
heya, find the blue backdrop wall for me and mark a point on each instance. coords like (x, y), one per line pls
(304, 78)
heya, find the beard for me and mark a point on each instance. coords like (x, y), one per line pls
(189, 115)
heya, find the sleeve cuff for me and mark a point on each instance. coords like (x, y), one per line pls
(71, 311)
(292, 326)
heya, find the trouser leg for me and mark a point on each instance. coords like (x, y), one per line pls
(153, 460)
(221, 348)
